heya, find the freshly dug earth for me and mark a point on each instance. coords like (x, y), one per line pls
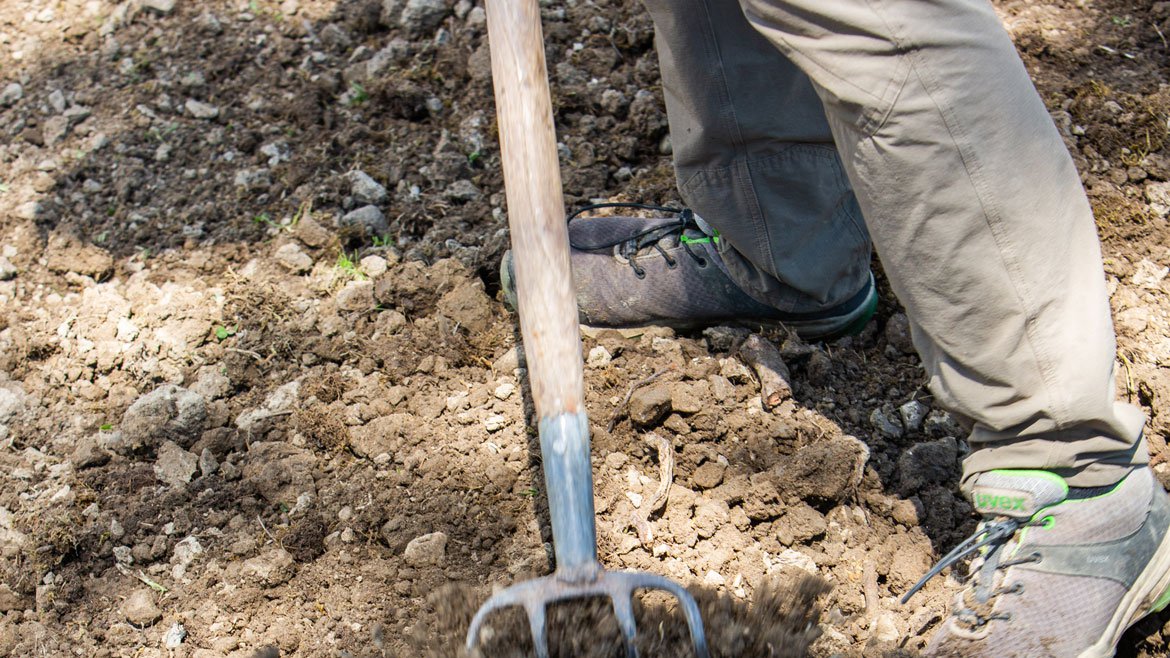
(259, 397)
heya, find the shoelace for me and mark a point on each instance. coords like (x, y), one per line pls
(628, 246)
(994, 536)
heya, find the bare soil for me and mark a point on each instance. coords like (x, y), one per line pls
(237, 420)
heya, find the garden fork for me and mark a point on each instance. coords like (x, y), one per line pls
(552, 342)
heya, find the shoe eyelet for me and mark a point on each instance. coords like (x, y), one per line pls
(1037, 557)
(702, 262)
(641, 274)
(672, 265)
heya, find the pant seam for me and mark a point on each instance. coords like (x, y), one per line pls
(993, 220)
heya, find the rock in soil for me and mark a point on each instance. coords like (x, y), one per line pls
(168, 412)
(140, 609)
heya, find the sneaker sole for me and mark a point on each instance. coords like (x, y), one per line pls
(1150, 594)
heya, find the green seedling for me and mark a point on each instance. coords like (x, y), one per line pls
(346, 263)
(357, 94)
(530, 492)
(106, 427)
(383, 241)
(222, 333)
(473, 157)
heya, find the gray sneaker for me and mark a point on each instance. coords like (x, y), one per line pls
(633, 271)
(1060, 572)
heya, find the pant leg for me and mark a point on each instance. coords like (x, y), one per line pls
(755, 158)
(979, 218)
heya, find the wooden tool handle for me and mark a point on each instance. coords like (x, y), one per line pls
(536, 215)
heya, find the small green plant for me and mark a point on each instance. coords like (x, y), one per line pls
(383, 241)
(474, 156)
(357, 94)
(1122, 21)
(348, 266)
(530, 492)
(222, 333)
(106, 427)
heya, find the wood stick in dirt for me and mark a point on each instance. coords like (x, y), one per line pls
(764, 359)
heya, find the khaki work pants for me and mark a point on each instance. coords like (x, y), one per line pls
(792, 120)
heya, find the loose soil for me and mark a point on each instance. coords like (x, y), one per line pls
(254, 403)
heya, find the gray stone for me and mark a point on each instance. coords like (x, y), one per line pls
(420, 16)
(898, 333)
(1158, 195)
(598, 357)
(12, 403)
(175, 635)
(368, 218)
(292, 258)
(649, 405)
(427, 550)
(7, 269)
(140, 609)
(373, 266)
(55, 129)
(211, 383)
(887, 426)
(57, 100)
(12, 93)
(253, 179)
(462, 191)
(88, 452)
(913, 415)
(356, 296)
(201, 110)
(928, 463)
(724, 339)
(161, 6)
(207, 463)
(175, 466)
(166, 413)
(275, 567)
(365, 189)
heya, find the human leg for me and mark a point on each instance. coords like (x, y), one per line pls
(989, 243)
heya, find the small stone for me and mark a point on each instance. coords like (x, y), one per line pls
(907, 512)
(734, 370)
(1158, 196)
(713, 579)
(885, 629)
(253, 179)
(898, 333)
(709, 475)
(88, 453)
(888, 427)
(311, 233)
(161, 6)
(685, 399)
(275, 567)
(598, 357)
(427, 550)
(55, 129)
(123, 555)
(175, 466)
(140, 609)
(616, 460)
(462, 191)
(201, 110)
(504, 391)
(168, 412)
(207, 463)
(12, 93)
(367, 218)
(294, 259)
(365, 189)
(373, 266)
(724, 339)
(356, 296)
(649, 405)
(495, 423)
(928, 463)
(913, 415)
(174, 636)
(419, 16)
(7, 269)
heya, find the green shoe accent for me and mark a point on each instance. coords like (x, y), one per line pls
(1161, 603)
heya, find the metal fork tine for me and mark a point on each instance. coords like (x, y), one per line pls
(624, 611)
(536, 622)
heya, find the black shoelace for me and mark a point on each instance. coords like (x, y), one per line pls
(991, 538)
(628, 246)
